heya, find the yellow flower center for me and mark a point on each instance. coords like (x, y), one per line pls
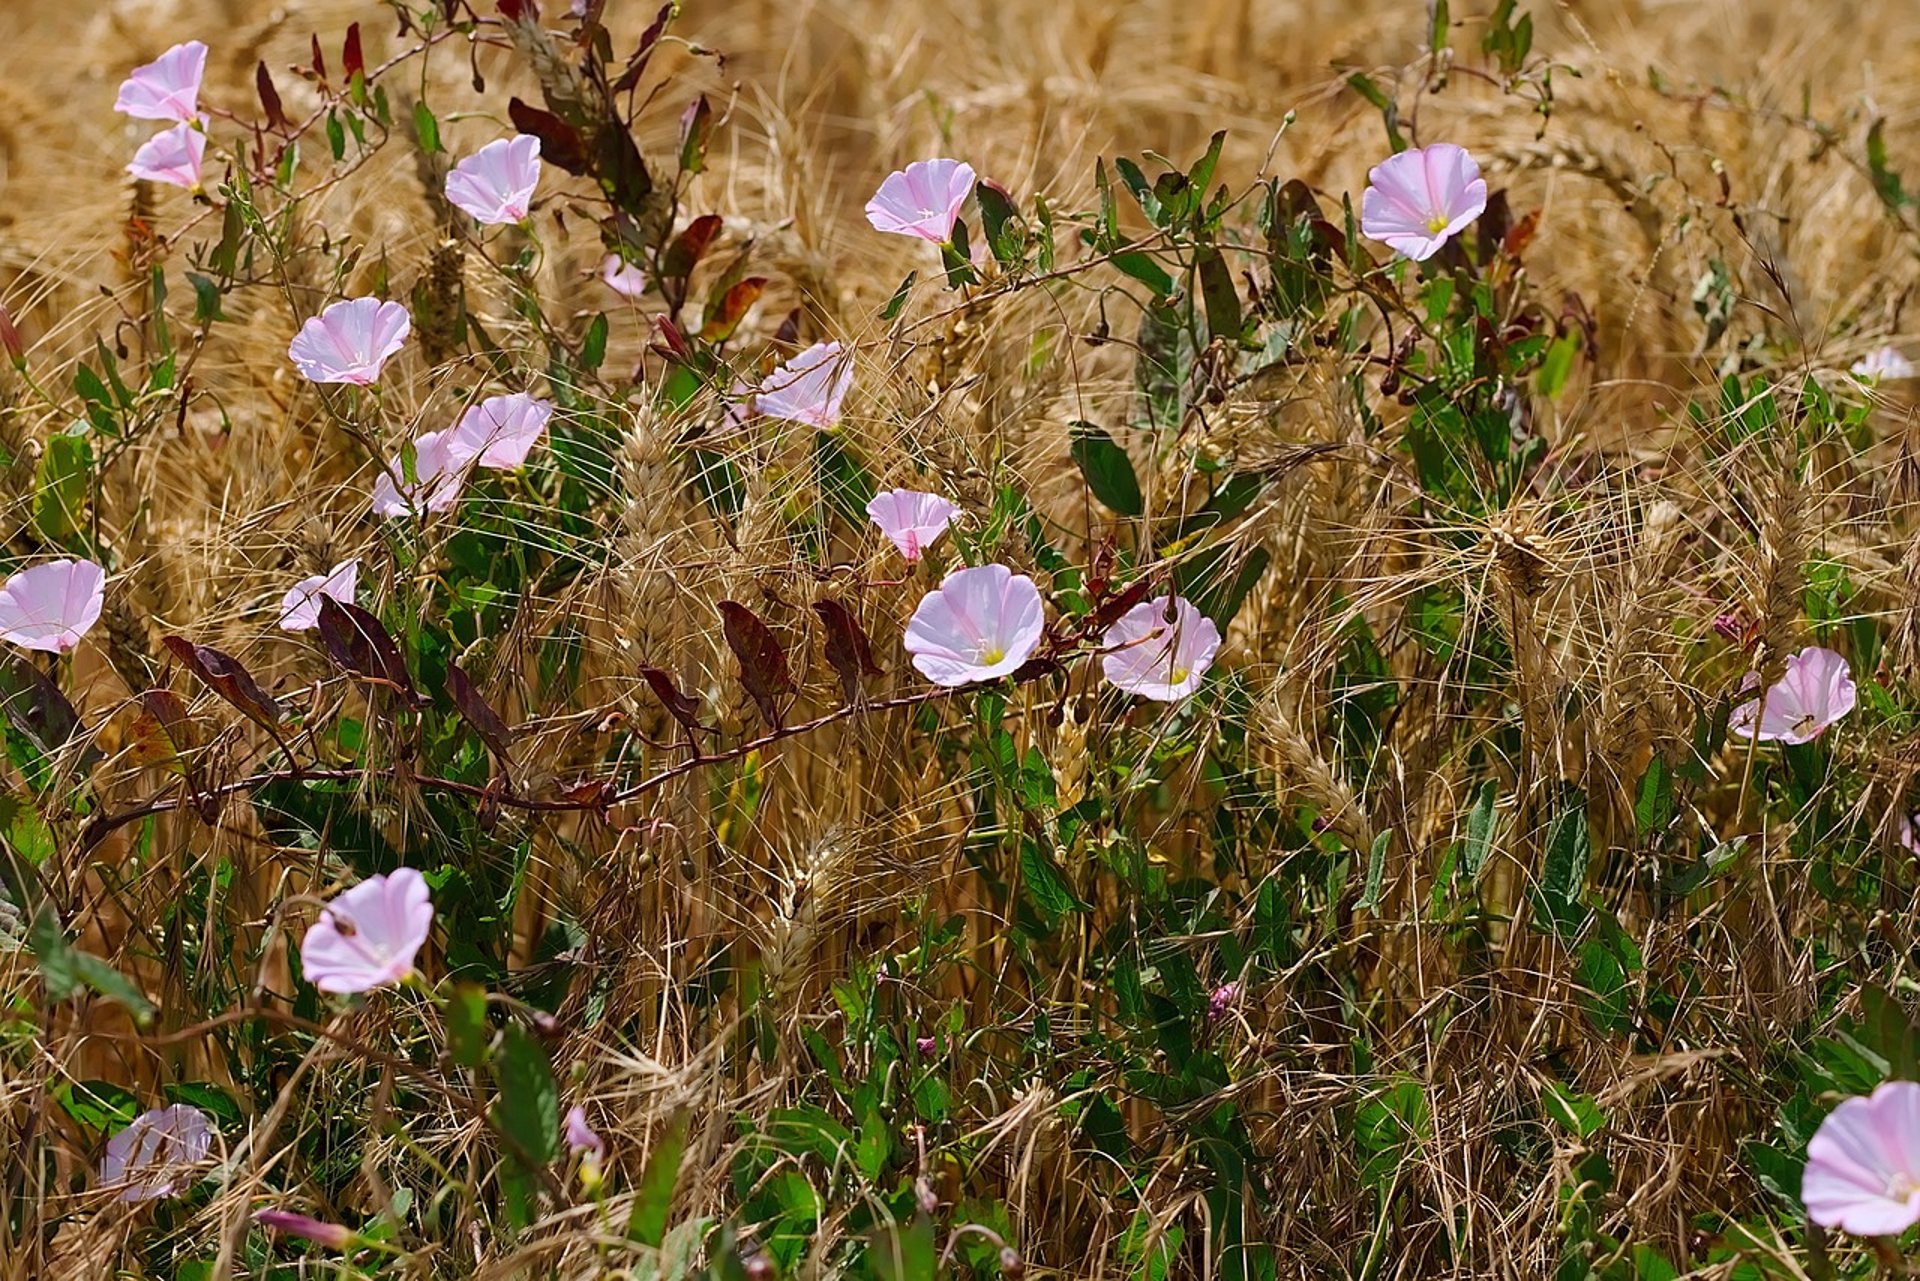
(1177, 675)
(1901, 1187)
(1437, 223)
(988, 657)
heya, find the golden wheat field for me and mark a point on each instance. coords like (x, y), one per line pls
(1468, 912)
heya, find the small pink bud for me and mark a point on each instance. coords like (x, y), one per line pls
(925, 1044)
(1728, 625)
(11, 340)
(1011, 1264)
(334, 1236)
(1221, 1001)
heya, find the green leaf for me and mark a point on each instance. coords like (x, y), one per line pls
(1108, 470)
(98, 1105)
(1145, 270)
(1437, 33)
(209, 1098)
(468, 1032)
(60, 503)
(1046, 887)
(905, 1254)
(647, 1224)
(1654, 808)
(336, 136)
(899, 299)
(425, 128)
(593, 347)
(1563, 876)
(66, 970)
(206, 300)
(24, 831)
(1480, 822)
(1376, 869)
(1217, 292)
(1364, 85)
(1577, 1112)
(527, 1110)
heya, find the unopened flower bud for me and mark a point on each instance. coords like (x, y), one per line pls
(1011, 1264)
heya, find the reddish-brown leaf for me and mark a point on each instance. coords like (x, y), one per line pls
(637, 64)
(725, 313)
(560, 143)
(360, 646)
(519, 10)
(353, 62)
(269, 98)
(228, 677)
(1108, 611)
(847, 649)
(319, 67)
(689, 247)
(763, 664)
(684, 708)
(479, 712)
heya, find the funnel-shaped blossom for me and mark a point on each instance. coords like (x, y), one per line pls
(300, 609)
(440, 473)
(351, 341)
(168, 88)
(911, 519)
(1418, 200)
(623, 277)
(52, 605)
(366, 937)
(495, 184)
(922, 200)
(1863, 1163)
(1815, 691)
(333, 1236)
(979, 624)
(1910, 833)
(1160, 649)
(153, 1156)
(172, 156)
(1882, 362)
(500, 431)
(809, 388)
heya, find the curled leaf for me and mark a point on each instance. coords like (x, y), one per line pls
(684, 708)
(560, 143)
(763, 664)
(359, 645)
(847, 648)
(226, 676)
(478, 712)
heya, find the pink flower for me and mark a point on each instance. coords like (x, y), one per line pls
(1863, 1164)
(809, 388)
(1418, 200)
(168, 88)
(580, 1135)
(333, 1236)
(440, 473)
(1883, 362)
(1815, 691)
(300, 609)
(922, 200)
(911, 519)
(500, 431)
(172, 156)
(1910, 833)
(153, 1155)
(1221, 1001)
(979, 624)
(1160, 657)
(367, 937)
(623, 277)
(351, 341)
(495, 184)
(52, 605)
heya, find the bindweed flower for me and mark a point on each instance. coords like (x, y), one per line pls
(168, 88)
(1729, 625)
(1883, 362)
(1417, 201)
(300, 609)
(623, 277)
(500, 431)
(1221, 1000)
(172, 156)
(52, 605)
(979, 624)
(1160, 649)
(591, 1148)
(1863, 1163)
(926, 1045)
(154, 1154)
(368, 935)
(439, 473)
(910, 519)
(333, 1236)
(495, 184)
(1910, 833)
(809, 388)
(922, 200)
(1815, 691)
(351, 341)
